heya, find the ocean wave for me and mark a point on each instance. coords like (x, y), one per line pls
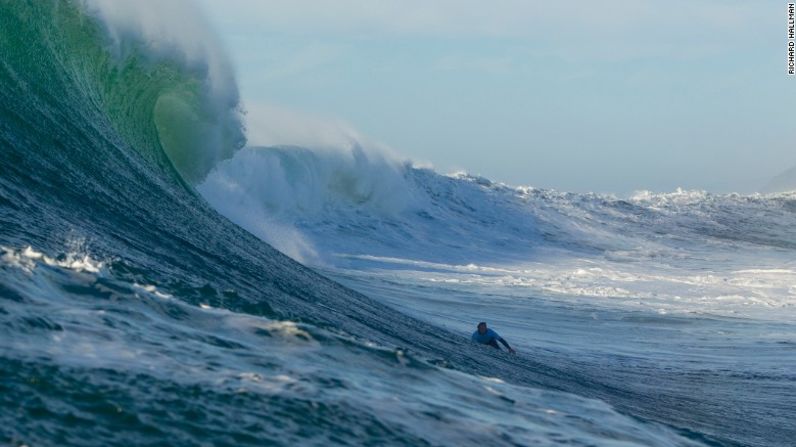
(316, 204)
(172, 98)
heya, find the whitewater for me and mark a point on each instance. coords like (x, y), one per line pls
(163, 283)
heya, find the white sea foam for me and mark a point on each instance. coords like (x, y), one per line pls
(27, 259)
(267, 190)
(761, 293)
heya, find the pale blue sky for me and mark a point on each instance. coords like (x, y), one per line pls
(609, 96)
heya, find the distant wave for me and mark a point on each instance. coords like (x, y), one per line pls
(317, 204)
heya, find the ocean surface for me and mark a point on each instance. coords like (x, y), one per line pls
(162, 283)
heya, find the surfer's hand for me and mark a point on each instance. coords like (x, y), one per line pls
(511, 350)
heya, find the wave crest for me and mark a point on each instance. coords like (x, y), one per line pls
(113, 65)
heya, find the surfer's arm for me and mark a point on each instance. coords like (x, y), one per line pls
(505, 343)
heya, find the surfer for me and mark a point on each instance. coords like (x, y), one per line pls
(486, 336)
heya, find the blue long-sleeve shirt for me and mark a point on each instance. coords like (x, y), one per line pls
(490, 338)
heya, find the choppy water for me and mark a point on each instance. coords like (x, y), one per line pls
(133, 313)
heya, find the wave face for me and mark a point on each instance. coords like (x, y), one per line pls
(132, 313)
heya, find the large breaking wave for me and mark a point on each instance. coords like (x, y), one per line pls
(133, 313)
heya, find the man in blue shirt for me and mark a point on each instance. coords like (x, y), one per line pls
(486, 336)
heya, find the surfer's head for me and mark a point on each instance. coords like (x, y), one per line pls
(482, 328)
